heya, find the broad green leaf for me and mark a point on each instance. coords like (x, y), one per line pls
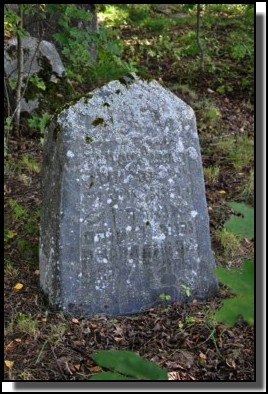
(242, 282)
(130, 364)
(110, 376)
(243, 226)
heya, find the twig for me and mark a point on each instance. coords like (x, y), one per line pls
(41, 351)
(58, 364)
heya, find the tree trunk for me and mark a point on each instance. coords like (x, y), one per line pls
(198, 17)
(20, 73)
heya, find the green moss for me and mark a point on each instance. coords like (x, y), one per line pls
(75, 100)
(97, 121)
(89, 139)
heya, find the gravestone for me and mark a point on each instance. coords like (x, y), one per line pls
(41, 62)
(124, 215)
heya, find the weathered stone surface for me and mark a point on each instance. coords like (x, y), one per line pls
(124, 215)
(40, 59)
(34, 54)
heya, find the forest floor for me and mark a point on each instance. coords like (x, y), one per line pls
(43, 344)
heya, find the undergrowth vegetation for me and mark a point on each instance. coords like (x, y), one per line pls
(160, 42)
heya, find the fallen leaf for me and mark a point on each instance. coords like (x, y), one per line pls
(9, 364)
(18, 286)
(95, 369)
(44, 319)
(202, 359)
(118, 331)
(230, 362)
(185, 358)
(157, 327)
(222, 192)
(202, 355)
(11, 345)
(196, 337)
(180, 324)
(118, 339)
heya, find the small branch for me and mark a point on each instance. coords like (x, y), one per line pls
(58, 364)
(7, 96)
(9, 93)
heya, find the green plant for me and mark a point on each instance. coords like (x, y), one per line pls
(9, 234)
(157, 24)
(26, 247)
(10, 269)
(11, 20)
(242, 283)
(189, 320)
(211, 115)
(165, 297)
(17, 210)
(32, 224)
(55, 333)
(112, 15)
(189, 45)
(126, 365)
(211, 173)
(229, 241)
(186, 289)
(243, 225)
(39, 122)
(226, 145)
(26, 323)
(184, 89)
(248, 190)
(26, 375)
(38, 82)
(138, 12)
(29, 164)
(10, 166)
(208, 112)
(75, 43)
(7, 129)
(242, 152)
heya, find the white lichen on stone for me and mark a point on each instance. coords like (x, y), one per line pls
(192, 153)
(194, 214)
(70, 153)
